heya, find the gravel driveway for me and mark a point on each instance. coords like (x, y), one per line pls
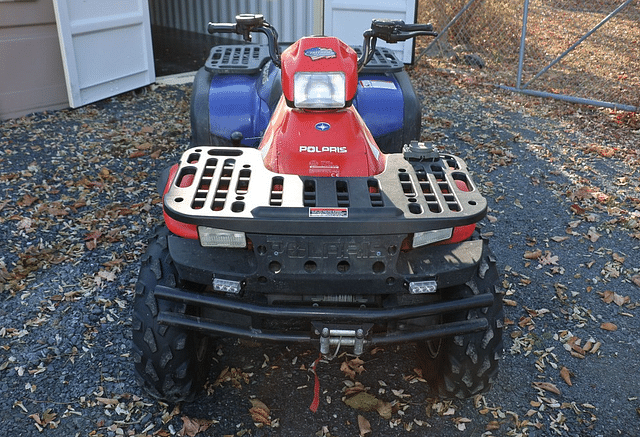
(78, 201)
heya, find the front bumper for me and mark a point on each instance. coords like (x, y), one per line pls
(357, 307)
(346, 318)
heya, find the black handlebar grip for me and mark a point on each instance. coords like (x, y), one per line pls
(221, 28)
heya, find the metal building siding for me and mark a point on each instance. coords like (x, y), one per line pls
(292, 18)
(31, 71)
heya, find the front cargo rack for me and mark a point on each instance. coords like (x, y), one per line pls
(250, 58)
(230, 188)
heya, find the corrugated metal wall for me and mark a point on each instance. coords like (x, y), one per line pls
(292, 18)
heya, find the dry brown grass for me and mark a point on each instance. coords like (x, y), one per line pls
(605, 67)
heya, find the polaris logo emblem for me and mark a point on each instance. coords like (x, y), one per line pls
(322, 149)
(322, 126)
(318, 53)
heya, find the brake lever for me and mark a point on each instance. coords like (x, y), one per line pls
(403, 36)
(418, 27)
(393, 31)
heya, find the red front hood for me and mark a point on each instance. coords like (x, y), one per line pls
(322, 54)
(320, 143)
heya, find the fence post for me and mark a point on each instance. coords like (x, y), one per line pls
(525, 17)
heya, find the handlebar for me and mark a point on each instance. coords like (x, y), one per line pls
(393, 31)
(247, 23)
(390, 31)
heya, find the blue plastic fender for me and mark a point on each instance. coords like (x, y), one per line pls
(235, 105)
(379, 101)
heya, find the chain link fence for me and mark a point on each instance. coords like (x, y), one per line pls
(576, 50)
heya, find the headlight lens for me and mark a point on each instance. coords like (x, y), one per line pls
(319, 90)
(211, 237)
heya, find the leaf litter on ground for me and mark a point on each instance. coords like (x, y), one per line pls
(83, 208)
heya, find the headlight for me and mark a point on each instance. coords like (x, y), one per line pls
(211, 237)
(319, 90)
(429, 237)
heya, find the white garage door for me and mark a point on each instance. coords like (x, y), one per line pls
(347, 19)
(106, 47)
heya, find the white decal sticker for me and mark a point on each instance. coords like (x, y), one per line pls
(329, 212)
(380, 84)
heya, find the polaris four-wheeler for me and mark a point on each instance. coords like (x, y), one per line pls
(307, 211)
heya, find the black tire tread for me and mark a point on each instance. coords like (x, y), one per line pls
(166, 361)
(467, 365)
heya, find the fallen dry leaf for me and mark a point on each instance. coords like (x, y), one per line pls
(363, 401)
(57, 212)
(494, 425)
(608, 326)
(144, 146)
(107, 275)
(592, 235)
(42, 421)
(535, 254)
(191, 427)
(107, 401)
(400, 393)
(364, 425)
(260, 413)
(233, 375)
(353, 367)
(510, 302)
(575, 223)
(582, 193)
(354, 389)
(565, 374)
(611, 296)
(577, 209)
(384, 409)
(618, 258)
(548, 387)
(548, 259)
(27, 200)
(461, 423)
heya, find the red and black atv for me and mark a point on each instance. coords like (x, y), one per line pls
(313, 234)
